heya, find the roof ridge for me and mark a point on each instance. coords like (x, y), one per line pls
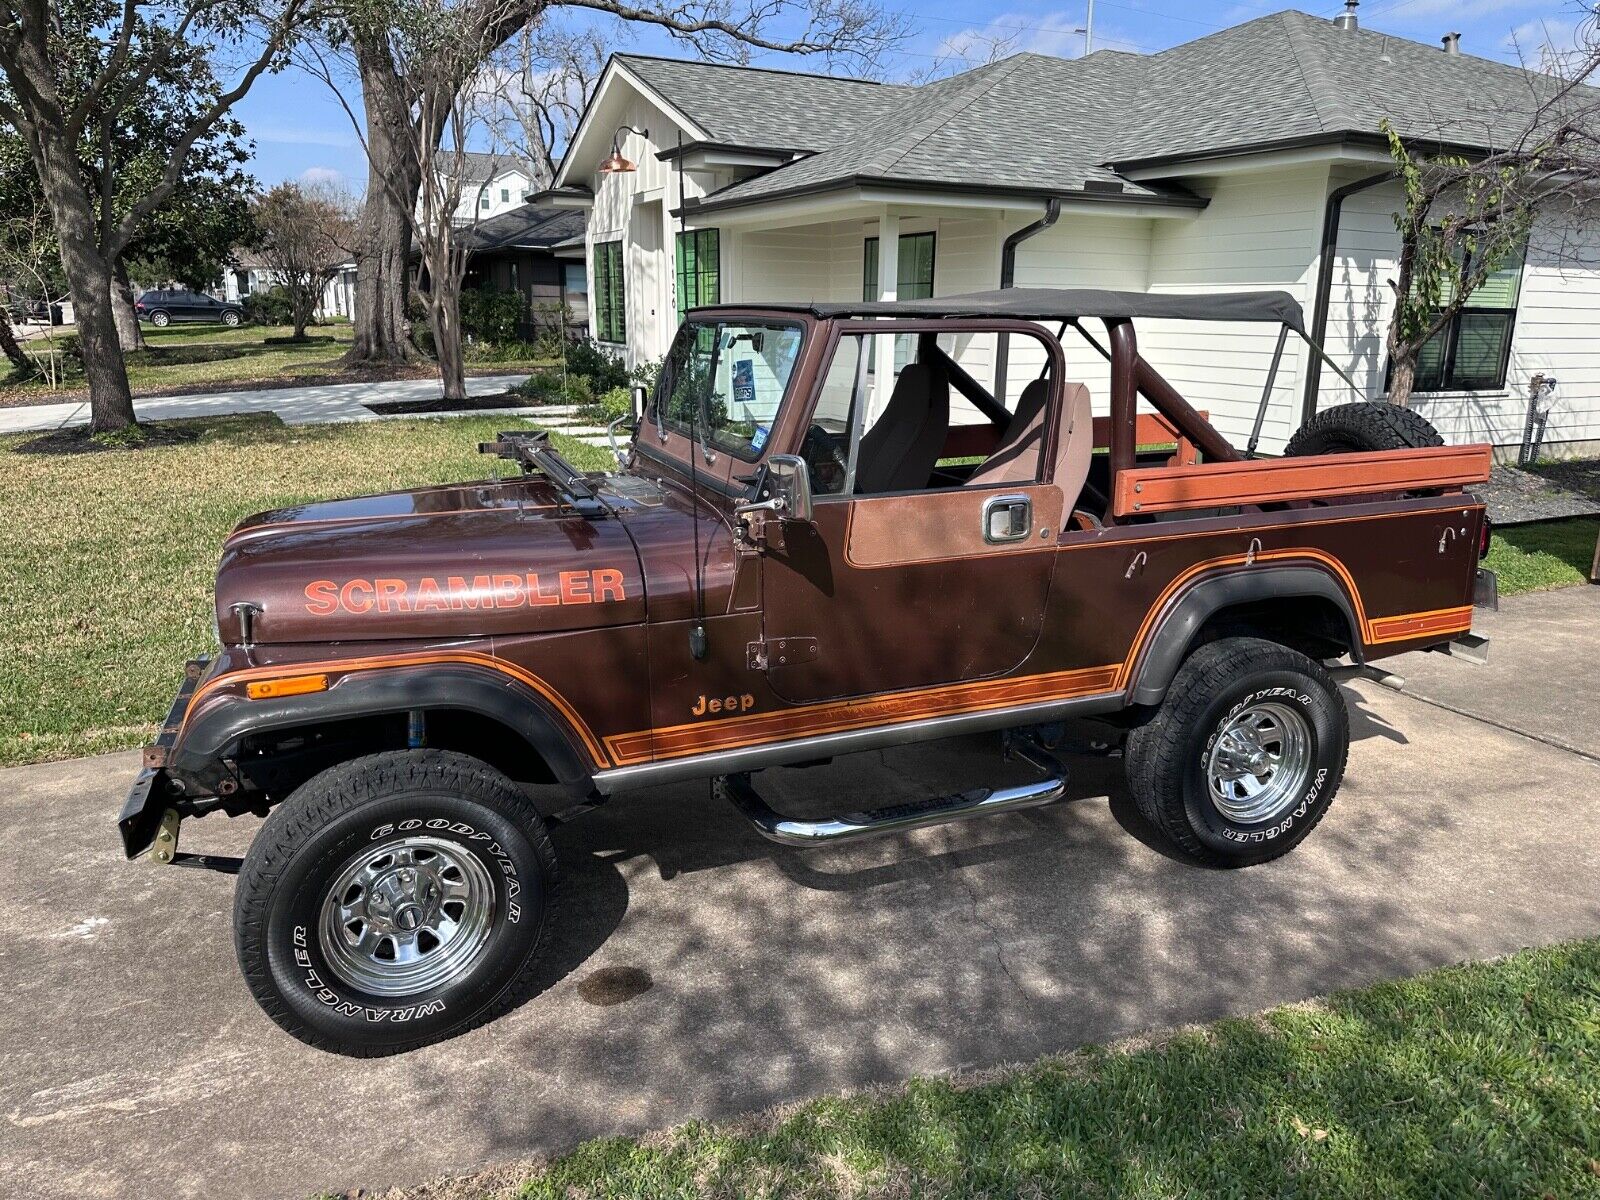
(701, 62)
(1329, 111)
(939, 116)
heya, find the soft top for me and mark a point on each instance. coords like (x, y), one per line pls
(1045, 304)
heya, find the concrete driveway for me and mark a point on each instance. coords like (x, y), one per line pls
(137, 1065)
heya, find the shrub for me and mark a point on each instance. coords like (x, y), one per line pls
(542, 387)
(604, 371)
(491, 314)
(500, 352)
(271, 307)
(607, 408)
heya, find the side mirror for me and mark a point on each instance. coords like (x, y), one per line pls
(637, 402)
(783, 489)
(787, 477)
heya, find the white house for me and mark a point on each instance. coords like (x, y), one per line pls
(1247, 159)
(247, 273)
(491, 184)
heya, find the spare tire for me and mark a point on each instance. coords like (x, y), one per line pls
(1364, 425)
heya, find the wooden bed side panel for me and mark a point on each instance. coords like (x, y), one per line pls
(1262, 481)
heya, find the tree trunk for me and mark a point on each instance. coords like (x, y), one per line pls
(89, 279)
(129, 335)
(1402, 375)
(383, 235)
(12, 349)
(444, 312)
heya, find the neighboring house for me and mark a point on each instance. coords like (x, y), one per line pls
(536, 252)
(247, 273)
(491, 184)
(1216, 165)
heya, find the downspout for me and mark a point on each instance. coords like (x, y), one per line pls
(1008, 278)
(1319, 315)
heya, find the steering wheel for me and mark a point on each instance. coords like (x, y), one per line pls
(826, 458)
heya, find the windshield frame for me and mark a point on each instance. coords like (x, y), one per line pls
(659, 424)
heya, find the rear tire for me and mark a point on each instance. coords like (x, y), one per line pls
(1364, 425)
(160, 319)
(1245, 754)
(394, 901)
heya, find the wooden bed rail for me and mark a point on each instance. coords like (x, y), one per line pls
(1145, 490)
(1152, 429)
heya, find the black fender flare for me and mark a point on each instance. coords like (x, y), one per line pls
(1174, 633)
(221, 725)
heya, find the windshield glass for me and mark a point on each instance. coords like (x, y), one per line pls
(724, 381)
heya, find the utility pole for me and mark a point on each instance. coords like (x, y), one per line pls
(1087, 28)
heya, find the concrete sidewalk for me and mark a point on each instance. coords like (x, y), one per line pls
(294, 406)
(137, 1065)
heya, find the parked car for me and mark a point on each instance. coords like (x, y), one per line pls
(814, 547)
(162, 307)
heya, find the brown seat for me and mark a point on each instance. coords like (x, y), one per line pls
(899, 452)
(1016, 458)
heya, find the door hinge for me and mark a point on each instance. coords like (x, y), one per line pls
(760, 531)
(780, 652)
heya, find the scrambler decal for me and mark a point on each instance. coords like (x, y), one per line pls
(324, 597)
(300, 936)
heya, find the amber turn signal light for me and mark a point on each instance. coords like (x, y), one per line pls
(294, 685)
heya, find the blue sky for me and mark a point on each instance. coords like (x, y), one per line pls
(301, 131)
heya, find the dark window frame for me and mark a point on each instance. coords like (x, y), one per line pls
(609, 311)
(700, 276)
(1445, 379)
(869, 264)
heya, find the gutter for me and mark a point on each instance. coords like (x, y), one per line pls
(1008, 277)
(1319, 318)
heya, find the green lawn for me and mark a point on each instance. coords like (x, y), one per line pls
(197, 357)
(109, 557)
(1480, 1080)
(1530, 558)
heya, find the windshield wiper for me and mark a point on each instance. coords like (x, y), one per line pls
(533, 452)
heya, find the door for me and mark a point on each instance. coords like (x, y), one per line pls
(942, 583)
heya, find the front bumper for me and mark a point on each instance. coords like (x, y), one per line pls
(146, 804)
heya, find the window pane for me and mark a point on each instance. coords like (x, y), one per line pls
(1500, 289)
(1430, 363)
(1480, 350)
(869, 270)
(913, 267)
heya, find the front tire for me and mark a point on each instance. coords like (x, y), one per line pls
(394, 901)
(231, 320)
(1244, 755)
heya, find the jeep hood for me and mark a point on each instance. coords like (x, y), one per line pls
(463, 560)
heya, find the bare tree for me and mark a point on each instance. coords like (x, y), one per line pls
(1465, 216)
(30, 267)
(539, 84)
(305, 235)
(74, 66)
(851, 31)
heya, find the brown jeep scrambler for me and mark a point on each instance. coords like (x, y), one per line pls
(840, 527)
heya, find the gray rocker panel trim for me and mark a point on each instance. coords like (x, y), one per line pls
(1175, 632)
(375, 693)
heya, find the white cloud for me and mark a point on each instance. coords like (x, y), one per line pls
(1544, 44)
(1009, 33)
(290, 135)
(323, 175)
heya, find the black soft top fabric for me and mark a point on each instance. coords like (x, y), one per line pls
(1059, 304)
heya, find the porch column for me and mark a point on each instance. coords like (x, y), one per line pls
(888, 283)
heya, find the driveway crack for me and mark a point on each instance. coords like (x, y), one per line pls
(994, 935)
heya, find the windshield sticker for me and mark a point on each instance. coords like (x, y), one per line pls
(324, 597)
(758, 439)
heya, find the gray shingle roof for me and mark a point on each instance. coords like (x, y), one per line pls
(527, 227)
(1038, 124)
(752, 106)
(478, 167)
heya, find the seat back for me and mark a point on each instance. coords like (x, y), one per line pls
(899, 452)
(1016, 457)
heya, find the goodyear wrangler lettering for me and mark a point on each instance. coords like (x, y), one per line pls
(455, 593)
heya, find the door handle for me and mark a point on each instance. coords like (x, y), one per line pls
(1007, 519)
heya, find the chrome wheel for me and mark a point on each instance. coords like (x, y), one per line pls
(406, 916)
(1260, 763)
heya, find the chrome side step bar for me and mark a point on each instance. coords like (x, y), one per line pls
(898, 818)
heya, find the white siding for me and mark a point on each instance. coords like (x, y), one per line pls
(1558, 311)
(1261, 231)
